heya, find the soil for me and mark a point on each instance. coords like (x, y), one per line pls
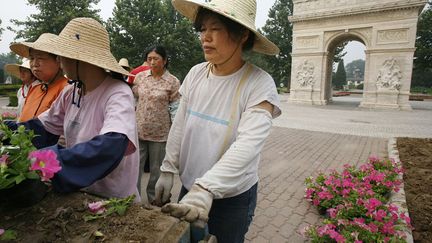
(59, 218)
(416, 157)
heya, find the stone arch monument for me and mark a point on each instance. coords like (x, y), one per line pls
(388, 30)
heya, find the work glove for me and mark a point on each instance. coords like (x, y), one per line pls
(163, 188)
(194, 207)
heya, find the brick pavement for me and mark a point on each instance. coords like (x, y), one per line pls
(289, 156)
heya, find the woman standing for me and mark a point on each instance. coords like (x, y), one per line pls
(225, 115)
(158, 96)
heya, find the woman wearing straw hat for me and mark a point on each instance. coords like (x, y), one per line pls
(94, 114)
(225, 115)
(124, 63)
(23, 72)
(46, 68)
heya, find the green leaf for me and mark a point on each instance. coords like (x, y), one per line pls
(8, 235)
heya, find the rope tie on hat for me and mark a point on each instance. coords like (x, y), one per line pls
(78, 86)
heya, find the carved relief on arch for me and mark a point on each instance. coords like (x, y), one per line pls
(392, 36)
(305, 74)
(305, 42)
(389, 75)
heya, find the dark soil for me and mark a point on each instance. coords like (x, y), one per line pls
(416, 157)
(60, 219)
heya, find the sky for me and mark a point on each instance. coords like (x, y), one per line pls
(18, 9)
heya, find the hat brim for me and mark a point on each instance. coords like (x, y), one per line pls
(189, 9)
(61, 47)
(22, 48)
(13, 69)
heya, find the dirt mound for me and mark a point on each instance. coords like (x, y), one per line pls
(59, 218)
(416, 157)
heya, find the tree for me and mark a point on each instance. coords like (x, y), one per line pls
(423, 55)
(279, 30)
(53, 16)
(355, 69)
(137, 25)
(339, 78)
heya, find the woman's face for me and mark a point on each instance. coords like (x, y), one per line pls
(43, 65)
(69, 67)
(216, 42)
(26, 76)
(156, 62)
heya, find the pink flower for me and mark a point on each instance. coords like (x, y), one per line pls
(46, 162)
(97, 207)
(379, 215)
(4, 161)
(372, 204)
(2, 231)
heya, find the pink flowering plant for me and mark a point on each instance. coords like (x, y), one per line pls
(356, 203)
(20, 161)
(377, 178)
(8, 115)
(104, 208)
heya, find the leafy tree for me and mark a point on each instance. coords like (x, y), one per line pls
(339, 79)
(53, 16)
(279, 30)
(137, 25)
(423, 55)
(181, 41)
(355, 69)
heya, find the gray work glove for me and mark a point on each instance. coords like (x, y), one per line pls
(194, 207)
(163, 188)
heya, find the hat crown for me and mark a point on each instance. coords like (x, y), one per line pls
(244, 10)
(86, 33)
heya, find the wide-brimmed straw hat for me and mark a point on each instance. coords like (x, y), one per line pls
(124, 63)
(14, 69)
(85, 39)
(41, 44)
(242, 12)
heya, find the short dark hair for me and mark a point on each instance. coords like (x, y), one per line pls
(235, 30)
(159, 50)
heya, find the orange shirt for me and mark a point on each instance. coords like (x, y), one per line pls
(38, 101)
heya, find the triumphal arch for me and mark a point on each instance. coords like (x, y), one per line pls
(387, 28)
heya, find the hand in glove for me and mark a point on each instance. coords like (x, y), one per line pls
(194, 207)
(163, 188)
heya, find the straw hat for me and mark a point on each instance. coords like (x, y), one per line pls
(14, 69)
(22, 48)
(84, 39)
(242, 12)
(124, 63)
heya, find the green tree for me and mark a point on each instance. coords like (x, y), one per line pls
(422, 72)
(339, 79)
(355, 69)
(53, 16)
(279, 30)
(137, 25)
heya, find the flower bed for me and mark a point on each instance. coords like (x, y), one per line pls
(356, 204)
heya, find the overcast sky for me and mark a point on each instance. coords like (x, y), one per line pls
(18, 9)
